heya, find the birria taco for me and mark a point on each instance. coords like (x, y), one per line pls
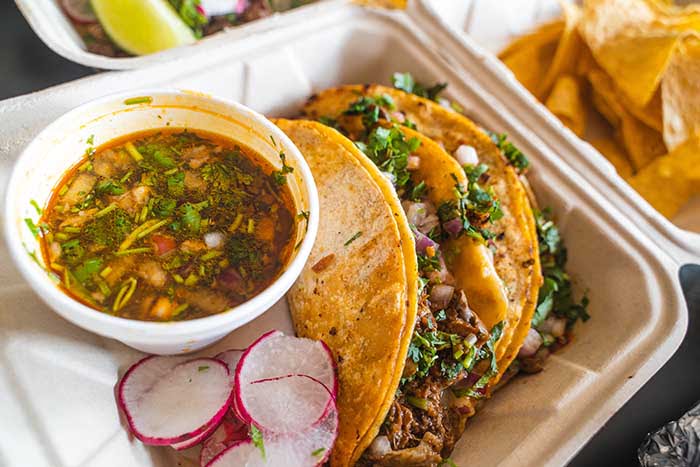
(425, 276)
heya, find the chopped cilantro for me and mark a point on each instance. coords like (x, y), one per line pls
(515, 158)
(176, 184)
(474, 207)
(191, 13)
(109, 229)
(109, 187)
(257, 438)
(164, 207)
(190, 217)
(318, 452)
(447, 463)
(280, 175)
(31, 226)
(487, 353)
(90, 140)
(418, 191)
(328, 121)
(370, 108)
(428, 263)
(405, 82)
(440, 315)
(389, 150)
(353, 238)
(556, 294)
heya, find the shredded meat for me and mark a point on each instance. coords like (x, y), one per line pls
(424, 436)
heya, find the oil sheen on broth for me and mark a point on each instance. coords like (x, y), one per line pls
(169, 225)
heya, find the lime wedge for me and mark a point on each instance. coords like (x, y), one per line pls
(142, 27)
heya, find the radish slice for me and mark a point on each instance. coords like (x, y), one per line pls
(230, 431)
(275, 354)
(308, 448)
(231, 358)
(184, 402)
(79, 10)
(284, 405)
(188, 443)
(237, 455)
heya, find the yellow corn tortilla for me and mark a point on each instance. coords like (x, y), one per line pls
(516, 256)
(361, 301)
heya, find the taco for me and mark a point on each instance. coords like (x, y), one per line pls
(512, 237)
(446, 333)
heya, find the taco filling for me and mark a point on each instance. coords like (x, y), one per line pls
(451, 356)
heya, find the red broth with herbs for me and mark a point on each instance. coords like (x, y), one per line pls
(169, 225)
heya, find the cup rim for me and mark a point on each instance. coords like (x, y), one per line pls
(97, 321)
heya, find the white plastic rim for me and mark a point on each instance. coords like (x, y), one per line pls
(62, 144)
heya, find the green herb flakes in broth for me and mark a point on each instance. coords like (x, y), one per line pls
(170, 225)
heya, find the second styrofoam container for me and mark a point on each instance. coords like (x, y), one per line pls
(50, 23)
(638, 313)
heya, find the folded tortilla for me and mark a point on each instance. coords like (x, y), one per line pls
(358, 291)
(516, 255)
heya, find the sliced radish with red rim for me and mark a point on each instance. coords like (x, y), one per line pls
(185, 401)
(230, 431)
(79, 11)
(230, 358)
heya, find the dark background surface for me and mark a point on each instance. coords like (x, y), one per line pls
(27, 65)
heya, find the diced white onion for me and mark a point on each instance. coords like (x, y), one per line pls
(466, 155)
(471, 339)
(532, 343)
(214, 239)
(413, 162)
(444, 102)
(554, 326)
(380, 446)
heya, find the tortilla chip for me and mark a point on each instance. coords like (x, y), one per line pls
(628, 44)
(642, 143)
(566, 103)
(531, 56)
(669, 181)
(615, 154)
(568, 50)
(363, 302)
(681, 94)
(613, 104)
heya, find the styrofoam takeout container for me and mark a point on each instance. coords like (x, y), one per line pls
(35, 177)
(467, 29)
(50, 23)
(638, 313)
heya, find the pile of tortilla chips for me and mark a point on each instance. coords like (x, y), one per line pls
(637, 64)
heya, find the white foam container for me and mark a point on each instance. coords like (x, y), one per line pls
(469, 38)
(56, 380)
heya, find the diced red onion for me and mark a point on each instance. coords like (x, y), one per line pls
(423, 242)
(533, 341)
(214, 239)
(422, 215)
(398, 116)
(413, 163)
(440, 295)
(453, 226)
(380, 446)
(466, 155)
(231, 279)
(554, 325)
(441, 276)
